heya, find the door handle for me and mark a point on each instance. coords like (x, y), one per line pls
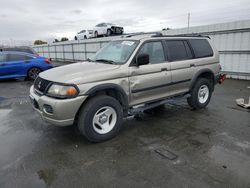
(192, 65)
(164, 69)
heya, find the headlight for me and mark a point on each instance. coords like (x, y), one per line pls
(63, 91)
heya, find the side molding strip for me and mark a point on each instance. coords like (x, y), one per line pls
(159, 86)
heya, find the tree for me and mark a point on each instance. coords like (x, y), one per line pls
(64, 39)
(39, 42)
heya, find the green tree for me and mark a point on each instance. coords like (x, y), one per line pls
(39, 42)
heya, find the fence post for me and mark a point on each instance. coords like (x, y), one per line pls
(49, 50)
(63, 52)
(85, 50)
(56, 53)
(73, 52)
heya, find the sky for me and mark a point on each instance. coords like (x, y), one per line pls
(28, 20)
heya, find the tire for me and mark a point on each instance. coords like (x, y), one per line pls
(33, 73)
(108, 32)
(75, 37)
(96, 34)
(92, 113)
(85, 37)
(200, 94)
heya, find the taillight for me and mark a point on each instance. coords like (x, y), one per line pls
(47, 61)
(222, 78)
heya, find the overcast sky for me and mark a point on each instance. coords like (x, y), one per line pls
(47, 19)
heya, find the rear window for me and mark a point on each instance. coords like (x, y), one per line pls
(178, 50)
(201, 48)
(26, 50)
(17, 57)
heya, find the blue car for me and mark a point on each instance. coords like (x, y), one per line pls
(22, 65)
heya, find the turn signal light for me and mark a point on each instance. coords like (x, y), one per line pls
(71, 91)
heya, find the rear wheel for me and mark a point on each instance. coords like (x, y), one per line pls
(96, 34)
(100, 118)
(33, 73)
(200, 94)
(75, 37)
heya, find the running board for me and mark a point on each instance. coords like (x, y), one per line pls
(140, 108)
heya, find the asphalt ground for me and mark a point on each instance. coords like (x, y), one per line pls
(171, 147)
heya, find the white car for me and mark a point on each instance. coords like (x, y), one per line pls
(107, 29)
(84, 34)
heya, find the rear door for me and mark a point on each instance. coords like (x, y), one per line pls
(15, 65)
(181, 60)
(150, 82)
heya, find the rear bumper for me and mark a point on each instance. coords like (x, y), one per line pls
(116, 30)
(63, 110)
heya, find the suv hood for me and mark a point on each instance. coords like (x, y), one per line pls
(83, 72)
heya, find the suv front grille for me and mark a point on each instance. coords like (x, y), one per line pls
(41, 85)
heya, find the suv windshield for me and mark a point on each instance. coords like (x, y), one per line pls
(116, 52)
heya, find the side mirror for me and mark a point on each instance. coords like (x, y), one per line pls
(142, 59)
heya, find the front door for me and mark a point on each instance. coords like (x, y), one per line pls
(150, 82)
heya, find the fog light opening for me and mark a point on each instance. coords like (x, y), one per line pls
(47, 109)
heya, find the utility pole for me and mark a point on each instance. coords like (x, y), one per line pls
(188, 21)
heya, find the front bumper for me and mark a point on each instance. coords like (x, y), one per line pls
(64, 110)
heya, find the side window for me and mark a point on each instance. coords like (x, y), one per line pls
(201, 48)
(178, 50)
(2, 57)
(17, 57)
(155, 52)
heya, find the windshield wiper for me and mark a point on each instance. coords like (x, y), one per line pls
(105, 61)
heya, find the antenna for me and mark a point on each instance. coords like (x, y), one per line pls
(188, 21)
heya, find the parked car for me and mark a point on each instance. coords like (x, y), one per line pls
(84, 34)
(127, 76)
(25, 49)
(22, 65)
(107, 29)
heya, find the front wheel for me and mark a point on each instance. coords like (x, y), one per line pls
(108, 32)
(100, 119)
(33, 73)
(200, 94)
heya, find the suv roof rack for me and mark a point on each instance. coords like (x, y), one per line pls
(140, 33)
(182, 35)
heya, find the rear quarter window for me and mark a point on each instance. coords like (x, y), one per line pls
(2, 57)
(201, 48)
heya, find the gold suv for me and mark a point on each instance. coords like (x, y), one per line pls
(131, 74)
